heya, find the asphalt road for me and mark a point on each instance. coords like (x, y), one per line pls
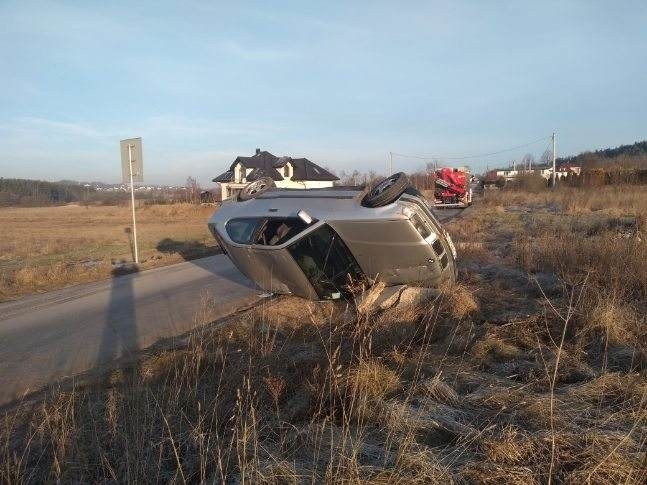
(46, 338)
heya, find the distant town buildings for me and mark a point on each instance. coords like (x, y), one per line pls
(546, 172)
(101, 187)
(510, 174)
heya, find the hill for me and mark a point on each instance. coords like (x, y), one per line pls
(628, 156)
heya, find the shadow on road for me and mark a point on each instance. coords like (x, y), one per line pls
(187, 249)
(195, 251)
(119, 338)
(116, 324)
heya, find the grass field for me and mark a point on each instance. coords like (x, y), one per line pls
(44, 248)
(530, 370)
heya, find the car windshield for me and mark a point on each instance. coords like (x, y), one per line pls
(264, 231)
(326, 262)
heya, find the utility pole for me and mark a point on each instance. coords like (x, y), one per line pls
(132, 200)
(390, 164)
(554, 174)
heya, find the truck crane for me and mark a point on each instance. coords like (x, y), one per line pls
(451, 188)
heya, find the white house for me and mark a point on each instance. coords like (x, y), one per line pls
(547, 173)
(287, 172)
(560, 172)
(511, 174)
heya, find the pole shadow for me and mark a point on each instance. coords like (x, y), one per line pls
(119, 338)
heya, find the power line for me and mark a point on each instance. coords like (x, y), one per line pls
(473, 156)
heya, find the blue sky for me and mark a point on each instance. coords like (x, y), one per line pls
(342, 83)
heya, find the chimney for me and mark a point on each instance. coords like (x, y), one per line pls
(258, 150)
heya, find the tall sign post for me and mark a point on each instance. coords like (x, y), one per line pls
(554, 174)
(132, 170)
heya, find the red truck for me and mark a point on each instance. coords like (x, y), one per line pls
(452, 188)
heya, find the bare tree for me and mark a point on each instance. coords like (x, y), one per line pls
(546, 157)
(192, 190)
(528, 160)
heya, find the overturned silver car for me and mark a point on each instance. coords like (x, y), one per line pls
(320, 243)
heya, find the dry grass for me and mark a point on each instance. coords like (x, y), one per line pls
(373, 380)
(461, 301)
(43, 248)
(473, 386)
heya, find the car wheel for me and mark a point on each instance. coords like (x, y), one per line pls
(256, 188)
(387, 191)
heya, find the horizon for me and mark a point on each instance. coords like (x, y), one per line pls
(536, 164)
(340, 84)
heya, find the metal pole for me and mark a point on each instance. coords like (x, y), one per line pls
(554, 174)
(132, 199)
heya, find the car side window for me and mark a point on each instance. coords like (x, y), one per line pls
(264, 231)
(242, 230)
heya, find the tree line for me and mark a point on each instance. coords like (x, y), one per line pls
(624, 156)
(33, 193)
(27, 192)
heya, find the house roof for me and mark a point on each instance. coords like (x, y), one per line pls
(304, 169)
(264, 164)
(261, 163)
(228, 176)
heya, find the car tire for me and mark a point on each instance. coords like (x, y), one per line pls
(387, 191)
(256, 188)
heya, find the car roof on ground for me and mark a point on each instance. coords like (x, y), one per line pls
(332, 203)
